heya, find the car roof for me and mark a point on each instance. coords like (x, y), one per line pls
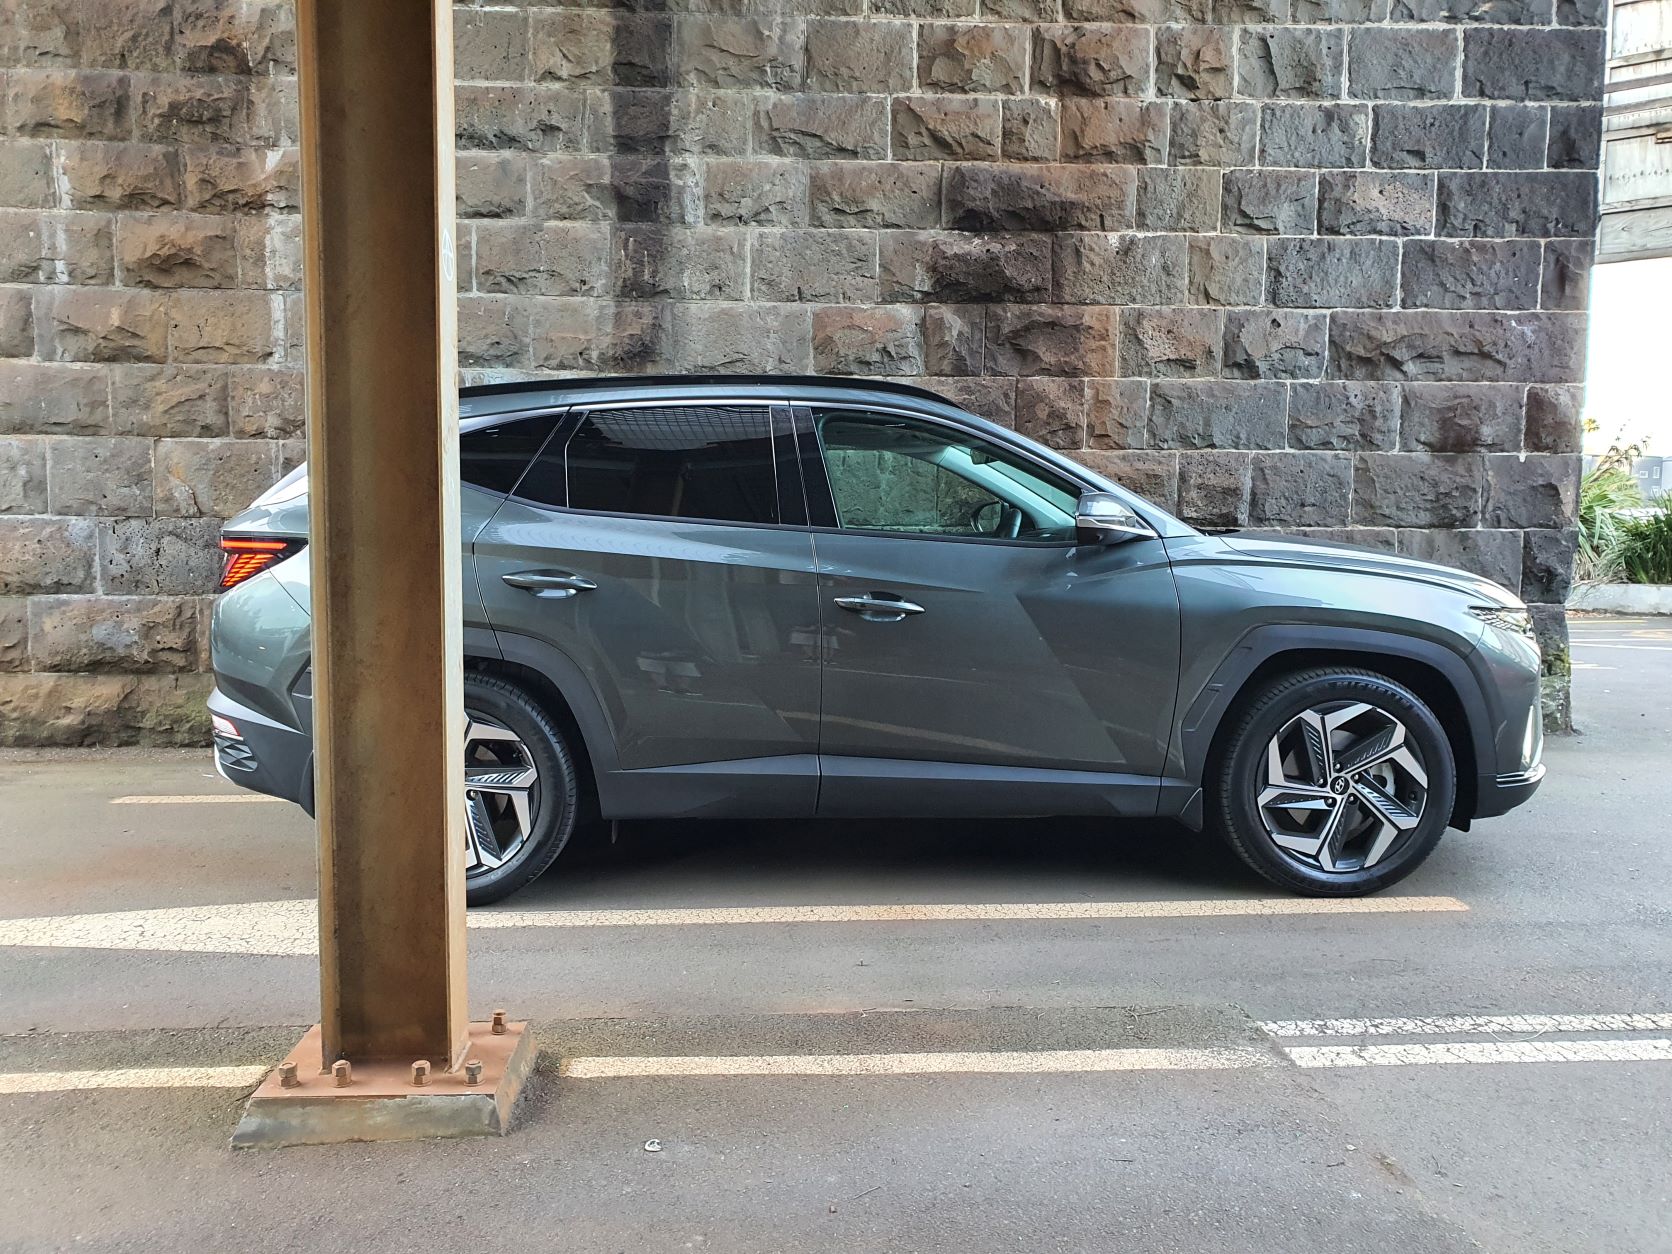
(495, 398)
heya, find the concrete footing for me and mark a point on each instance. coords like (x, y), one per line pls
(301, 1102)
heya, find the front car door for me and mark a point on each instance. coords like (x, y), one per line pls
(978, 659)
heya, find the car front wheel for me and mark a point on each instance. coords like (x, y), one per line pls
(1334, 782)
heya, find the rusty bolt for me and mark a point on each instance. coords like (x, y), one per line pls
(499, 1023)
(472, 1071)
(342, 1075)
(421, 1072)
(287, 1076)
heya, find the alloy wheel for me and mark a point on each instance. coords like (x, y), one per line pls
(1344, 786)
(501, 793)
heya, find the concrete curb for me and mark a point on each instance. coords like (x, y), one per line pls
(1623, 598)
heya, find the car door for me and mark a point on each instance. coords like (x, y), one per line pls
(655, 550)
(977, 657)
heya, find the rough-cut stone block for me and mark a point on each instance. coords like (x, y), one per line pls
(579, 189)
(264, 403)
(1553, 418)
(707, 263)
(1124, 132)
(1582, 12)
(954, 339)
(1494, 555)
(986, 197)
(1344, 417)
(1300, 489)
(1270, 202)
(213, 478)
(169, 401)
(872, 194)
(1470, 274)
(865, 55)
(46, 555)
(649, 121)
(984, 58)
(14, 634)
(1275, 344)
(106, 34)
(815, 265)
(1416, 490)
(1331, 272)
(952, 128)
(17, 322)
(1052, 411)
(1493, 203)
(1178, 200)
(1547, 564)
(270, 252)
(1097, 60)
(958, 268)
(1180, 343)
(114, 176)
(226, 180)
(108, 633)
(574, 48)
(823, 126)
(58, 104)
(55, 247)
(867, 340)
(23, 475)
(597, 337)
(1050, 339)
(1152, 475)
(992, 399)
(41, 399)
(1575, 137)
(103, 324)
(99, 476)
(52, 709)
(1531, 490)
(1204, 413)
(1390, 63)
(1213, 488)
(535, 119)
(1194, 62)
(195, 110)
(1512, 64)
(1461, 417)
(711, 337)
(1291, 63)
(1226, 270)
(1117, 415)
(542, 259)
(1121, 269)
(493, 332)
(1314, 135)
(754, 193)
(1517, 137)
(1217, 133)
(490, 45)
(26, 175)
(1484, 347)
(173, 250)
(740, 52)
(1363, 202)
(229, 327)
(1031, 130)
(1500, 12)
(1022, 10)
(1429, 137)
(492, 185)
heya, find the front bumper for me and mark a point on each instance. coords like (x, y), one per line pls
(1499, 794)
(265, 756)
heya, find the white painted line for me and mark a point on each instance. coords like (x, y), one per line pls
(193, 799)
(1440, 1052)
(1458, 1025)
(1030, 1062)
(290, 928)
(1638, 648)
(131, 1078)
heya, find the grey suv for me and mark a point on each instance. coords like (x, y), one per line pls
(752, 597)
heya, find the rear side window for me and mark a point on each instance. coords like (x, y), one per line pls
(707, 462)
(495, 457)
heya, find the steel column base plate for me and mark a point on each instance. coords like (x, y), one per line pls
(382, 1104)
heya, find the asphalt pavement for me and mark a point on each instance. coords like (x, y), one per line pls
(887, 1036)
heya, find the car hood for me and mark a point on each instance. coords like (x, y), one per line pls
(1332, 555)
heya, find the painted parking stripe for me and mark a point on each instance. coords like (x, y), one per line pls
(131, 1078)
(1463, 1025)
(193, 799)
(1454, 1052)
(290, 928)
(1018, 1062)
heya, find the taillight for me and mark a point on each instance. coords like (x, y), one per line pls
(248, 556)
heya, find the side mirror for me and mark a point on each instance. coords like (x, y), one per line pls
(1103, 518)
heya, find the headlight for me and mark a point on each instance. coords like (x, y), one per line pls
(1518, 622)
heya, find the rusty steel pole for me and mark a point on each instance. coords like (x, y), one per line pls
(376, 84)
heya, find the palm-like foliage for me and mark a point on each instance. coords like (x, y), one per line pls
(1643, 551)
(1604, 493)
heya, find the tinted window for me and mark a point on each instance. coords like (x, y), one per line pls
(495, 457)
(711, 462)
(895, 474)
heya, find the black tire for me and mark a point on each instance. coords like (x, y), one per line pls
(557, 796)
(1237, 778)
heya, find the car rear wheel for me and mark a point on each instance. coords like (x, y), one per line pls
(1334, 782)
(521, 791)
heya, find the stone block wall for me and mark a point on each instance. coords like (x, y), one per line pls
(1316, 265)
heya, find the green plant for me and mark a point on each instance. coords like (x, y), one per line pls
(1643, 551)
(1605, 492)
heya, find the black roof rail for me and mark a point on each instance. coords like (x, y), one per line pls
(686, 380)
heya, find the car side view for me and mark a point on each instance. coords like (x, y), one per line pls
(758, 597)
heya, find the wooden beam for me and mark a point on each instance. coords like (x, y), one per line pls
(376, 85)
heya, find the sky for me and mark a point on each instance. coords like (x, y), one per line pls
(1628, 384)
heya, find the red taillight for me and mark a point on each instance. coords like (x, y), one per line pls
(247, 557)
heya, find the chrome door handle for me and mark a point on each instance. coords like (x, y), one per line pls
(553, 585)
(879, 609)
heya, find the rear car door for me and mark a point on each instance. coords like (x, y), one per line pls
(659, 551)
(977, 658)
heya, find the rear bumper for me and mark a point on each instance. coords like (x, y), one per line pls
(1499, 794)
(264, 756)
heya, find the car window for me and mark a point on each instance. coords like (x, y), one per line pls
(495, 457)
(699, 461)
(889, 473)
